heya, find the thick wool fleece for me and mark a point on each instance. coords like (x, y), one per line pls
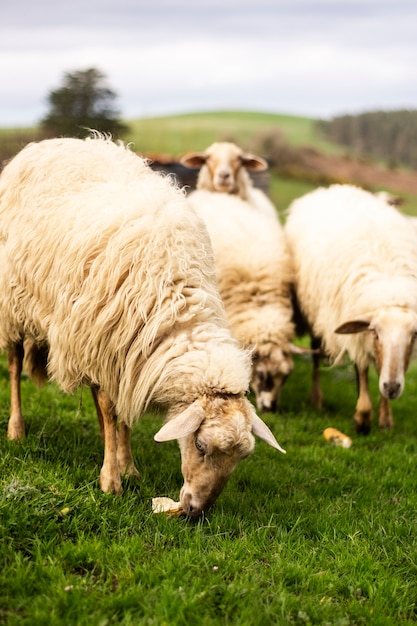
(104, 261)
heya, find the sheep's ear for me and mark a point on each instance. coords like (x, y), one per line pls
(193, 160)
(183, 424)
(253, 162)
(350, 328)
(261, 430)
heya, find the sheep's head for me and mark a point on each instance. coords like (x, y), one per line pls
(393, 332)
(271, 366)
(224, 167)
(214, 434)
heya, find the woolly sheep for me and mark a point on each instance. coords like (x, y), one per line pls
(254, 277)
(356, 284)
(106, 266)
(223, 170)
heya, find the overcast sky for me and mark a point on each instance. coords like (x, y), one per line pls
(315, 58)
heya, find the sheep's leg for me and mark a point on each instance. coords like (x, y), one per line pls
(363, 414)
(124, 452)
(109, 474)
(94, 392)
(316, 396)
(16, 425)
(385, 414)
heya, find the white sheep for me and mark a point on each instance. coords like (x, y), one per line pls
(105, 265)
(355, 267)
(254, 276)
(224, 168)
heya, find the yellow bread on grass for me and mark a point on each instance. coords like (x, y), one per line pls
(337, 438)
(167, 506)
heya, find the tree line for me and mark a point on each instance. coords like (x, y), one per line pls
(390, 136)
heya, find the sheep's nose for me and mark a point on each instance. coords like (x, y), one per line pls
(392, 390)
(190, 509)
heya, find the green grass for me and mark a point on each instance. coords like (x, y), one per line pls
(181, 133)
(322, 535)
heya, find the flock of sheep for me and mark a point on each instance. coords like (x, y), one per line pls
(112, 277)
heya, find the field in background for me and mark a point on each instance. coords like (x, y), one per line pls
(178, 134)
(305, 160)
(310, 161)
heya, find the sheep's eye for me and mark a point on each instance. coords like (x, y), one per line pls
(200, 446)
(374, 332)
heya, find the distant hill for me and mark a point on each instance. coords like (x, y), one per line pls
(195, 131)
(294, 146)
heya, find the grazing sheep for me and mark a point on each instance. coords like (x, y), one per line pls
(106, 267)
(254, 277)
(223, 170)
(355, 267)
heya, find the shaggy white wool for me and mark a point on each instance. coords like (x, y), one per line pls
(103, 260)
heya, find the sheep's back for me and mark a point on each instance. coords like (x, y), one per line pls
(253, 266)
(99, 254)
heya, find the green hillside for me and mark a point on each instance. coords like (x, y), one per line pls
(195, 131)
(295, 138)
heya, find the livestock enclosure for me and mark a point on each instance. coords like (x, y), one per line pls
(323, 535)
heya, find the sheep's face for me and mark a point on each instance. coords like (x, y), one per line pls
(271, 366)
(225, 164)
(393, 331)
(210, 455)
(214, 434)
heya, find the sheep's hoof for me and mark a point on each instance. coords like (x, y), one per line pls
(15, 433)
(386, 425)
(385, 421)
(316, 401)
(363, 428)
(130, 472)
(109, 484)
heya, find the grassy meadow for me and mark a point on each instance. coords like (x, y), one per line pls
(322, 535)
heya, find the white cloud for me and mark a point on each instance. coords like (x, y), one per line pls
(317, 58)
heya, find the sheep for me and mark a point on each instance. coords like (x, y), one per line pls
(254, 277)
(223, 170)
(355, 268)
(106, 267)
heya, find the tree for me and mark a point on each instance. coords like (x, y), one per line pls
(84, 102)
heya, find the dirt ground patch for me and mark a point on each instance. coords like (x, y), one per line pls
(327, 169)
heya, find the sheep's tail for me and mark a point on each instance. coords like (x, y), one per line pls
(35, 362)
